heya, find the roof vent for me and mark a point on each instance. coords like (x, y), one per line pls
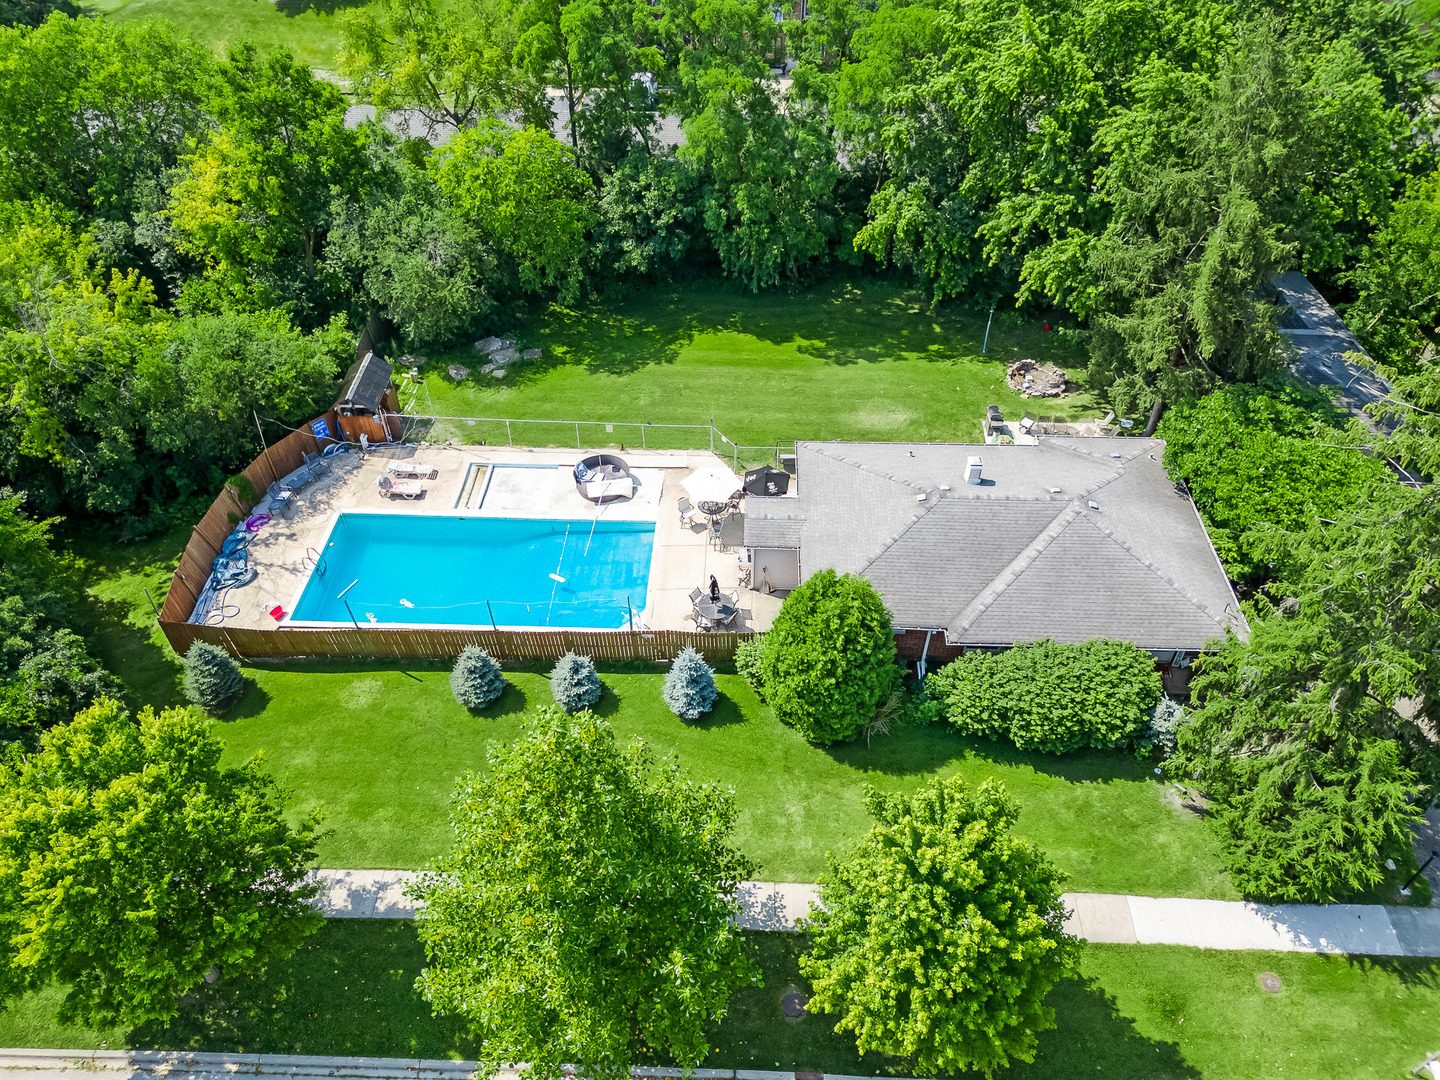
(1054, 491)
(1094, 505)
(944, 487)
(921, 497)
(973, 465)
(1114, 455)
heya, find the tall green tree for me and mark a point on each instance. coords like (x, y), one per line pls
(452, 64)
(939, 935)
(131, 862)
(1313, 738)
(584, 913)
(1216, 185)
(528, 197)
(256, 197)
(1397, 313)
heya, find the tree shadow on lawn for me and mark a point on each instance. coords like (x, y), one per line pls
(1090, 1031)
(913, 751)
(349, 990)
(253, 701)
(291, 8)
(1411, 971)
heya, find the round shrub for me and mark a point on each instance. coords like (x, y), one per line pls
(1051, 697)
(829, 660)
(212, 677)
(574, 682)
(690, 687)
(748, 663)
(476, 680)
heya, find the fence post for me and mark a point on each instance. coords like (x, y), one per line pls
(642, 436)
(509, 441)
(712, 432)
(577, 434)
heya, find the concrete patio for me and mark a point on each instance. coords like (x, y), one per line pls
(515, 483)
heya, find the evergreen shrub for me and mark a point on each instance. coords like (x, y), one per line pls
(575, 683)
(748, 663)
(690, 686)
(1051, 697)
(829, 660)
(1161, 730)
(212, 677)
(476, 680)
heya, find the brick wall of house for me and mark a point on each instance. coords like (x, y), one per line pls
(909, 644)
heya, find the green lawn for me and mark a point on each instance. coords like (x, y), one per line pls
(1138, 1012)
(309, 28)
(846, 359)
(379, 750)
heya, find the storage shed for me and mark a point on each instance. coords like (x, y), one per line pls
(368, 401)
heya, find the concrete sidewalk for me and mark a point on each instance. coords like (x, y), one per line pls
(1361, 929)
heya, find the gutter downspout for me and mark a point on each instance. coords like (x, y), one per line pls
(924, 656)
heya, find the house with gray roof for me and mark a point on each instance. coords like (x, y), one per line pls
(976, 546)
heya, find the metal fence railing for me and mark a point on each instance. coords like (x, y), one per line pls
(583, 434)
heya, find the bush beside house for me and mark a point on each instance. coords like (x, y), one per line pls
(829, 660)
(1051, 697)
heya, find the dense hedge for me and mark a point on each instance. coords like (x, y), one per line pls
(829, 660)
(1051, 697)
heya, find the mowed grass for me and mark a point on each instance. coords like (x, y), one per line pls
(1137, 1012)
(847, 359)
(308, 28)
(378, 751)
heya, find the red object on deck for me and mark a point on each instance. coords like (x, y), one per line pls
(277, 612)
(1047, 328)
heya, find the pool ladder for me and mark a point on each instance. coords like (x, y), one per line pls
(313, 558)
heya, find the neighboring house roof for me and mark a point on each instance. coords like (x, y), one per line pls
(365, 384)
(1010, 560)
(1321, 341)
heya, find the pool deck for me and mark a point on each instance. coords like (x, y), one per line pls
(683, 559)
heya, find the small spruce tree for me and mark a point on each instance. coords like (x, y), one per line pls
(575, 683)
(690, 687)
(476, 680)
(212, 677)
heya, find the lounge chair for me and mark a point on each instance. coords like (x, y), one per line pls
(687, 511)
(406, 489)
(412, 468)
(281, 498)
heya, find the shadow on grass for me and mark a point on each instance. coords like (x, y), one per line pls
(291, 8)
(350, 990)
(724, 713)
(914, 751)
(1090, 1031)
(1412, 971)
(253, 701)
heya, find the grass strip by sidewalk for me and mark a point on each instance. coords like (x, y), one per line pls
(1138, 1012)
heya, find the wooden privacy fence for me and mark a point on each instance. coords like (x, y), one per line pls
(281, 459)
(507, 646)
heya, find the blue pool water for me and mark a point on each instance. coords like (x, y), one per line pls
(445, 570)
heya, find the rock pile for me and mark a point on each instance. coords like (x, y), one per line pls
(1034, 379)
(502, 351)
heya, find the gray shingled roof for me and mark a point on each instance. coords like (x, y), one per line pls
(1011, 559)
(1321, 341)
(772, 521)
(365, 384)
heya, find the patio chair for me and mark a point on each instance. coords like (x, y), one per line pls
(315, 465)
(413, 469)
(406, 489)
(281, 498)
(696, 595)
(687, 511)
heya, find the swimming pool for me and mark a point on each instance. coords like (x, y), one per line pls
(465, 571)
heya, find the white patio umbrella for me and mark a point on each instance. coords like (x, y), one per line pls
(711, 484)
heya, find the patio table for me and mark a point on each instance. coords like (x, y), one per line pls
(712, 612)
